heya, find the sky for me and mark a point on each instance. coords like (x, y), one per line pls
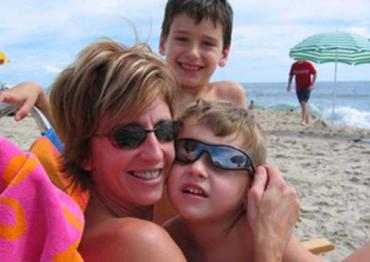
(42, 37)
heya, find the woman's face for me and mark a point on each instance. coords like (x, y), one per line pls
(132, 177)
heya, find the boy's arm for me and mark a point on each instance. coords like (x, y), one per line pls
(27, 95)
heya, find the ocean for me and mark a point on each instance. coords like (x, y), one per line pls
(352, 100)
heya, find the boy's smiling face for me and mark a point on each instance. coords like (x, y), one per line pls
(194, 50)
(201, 192)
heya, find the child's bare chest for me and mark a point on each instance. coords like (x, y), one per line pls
(233, 250)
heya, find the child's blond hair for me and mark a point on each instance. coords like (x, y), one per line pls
(225, 119)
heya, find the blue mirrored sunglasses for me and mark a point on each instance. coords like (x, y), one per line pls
(221, 156)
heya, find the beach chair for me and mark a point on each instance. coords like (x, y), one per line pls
(318, 246)
(7, 109)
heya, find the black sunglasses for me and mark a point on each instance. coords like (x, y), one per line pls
(133, 135)
(222, 156)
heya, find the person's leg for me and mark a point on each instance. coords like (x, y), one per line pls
(303, 98)
(307, 94)
(304, 108)
(300, 97)
(307, 115)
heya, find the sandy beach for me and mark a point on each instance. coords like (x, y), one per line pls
(330, 172)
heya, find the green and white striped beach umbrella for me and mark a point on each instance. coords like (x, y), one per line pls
(333, 47)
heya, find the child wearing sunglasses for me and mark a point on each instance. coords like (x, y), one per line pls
(218, 150)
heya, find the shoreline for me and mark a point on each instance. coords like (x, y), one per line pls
(351, 100)
(330, 172)
(317, 115)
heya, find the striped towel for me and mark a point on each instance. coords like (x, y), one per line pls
(50, 156)
(38, 221)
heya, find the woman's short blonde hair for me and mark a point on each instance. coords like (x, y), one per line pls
(225, 119)
(107, 78)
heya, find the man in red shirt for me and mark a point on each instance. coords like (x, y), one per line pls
(305, 77)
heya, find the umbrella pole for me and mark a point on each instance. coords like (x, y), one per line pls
(335, 84)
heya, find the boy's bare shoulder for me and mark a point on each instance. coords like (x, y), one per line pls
(230, 91)
(123, 239)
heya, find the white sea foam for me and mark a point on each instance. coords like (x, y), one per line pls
(348, 116)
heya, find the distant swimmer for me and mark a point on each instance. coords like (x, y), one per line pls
(251, 105)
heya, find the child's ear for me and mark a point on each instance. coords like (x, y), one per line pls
(162, 44)
(224, 56)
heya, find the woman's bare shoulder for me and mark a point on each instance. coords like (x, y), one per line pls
(129, 239)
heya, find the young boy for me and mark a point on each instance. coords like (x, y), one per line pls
(217, 151)
(196, 38)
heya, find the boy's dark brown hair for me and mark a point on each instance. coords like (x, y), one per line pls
(218, 11)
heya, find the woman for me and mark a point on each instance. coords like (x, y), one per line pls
(113, 110)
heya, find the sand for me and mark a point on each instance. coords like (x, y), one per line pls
(330, 172)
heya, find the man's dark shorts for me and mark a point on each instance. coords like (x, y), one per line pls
(304, 95)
